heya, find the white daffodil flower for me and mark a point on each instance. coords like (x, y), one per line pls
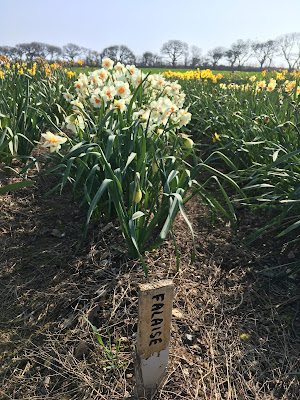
(183, 117)
(53, 141)
(120, 104)
(108, 93)
(107, 63)
(69, 97)
(74, 122)
(122, 89)
(96, 100)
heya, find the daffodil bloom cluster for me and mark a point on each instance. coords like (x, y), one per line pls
(289, 87)
(113, 86)
(279, 76)
(24, 67)
(235, 86)
(295, 74)
(32, 70)
(191, 75)
(271, 85)
(40, 64)
(19, 68)
(263, 85)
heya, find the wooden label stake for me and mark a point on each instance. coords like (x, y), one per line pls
(152, 348)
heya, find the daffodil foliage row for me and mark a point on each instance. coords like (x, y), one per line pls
(250, 124)
(30, 95)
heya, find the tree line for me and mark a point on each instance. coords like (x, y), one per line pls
(174, 53)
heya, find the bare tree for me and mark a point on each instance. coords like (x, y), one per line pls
(126, 56)
(289, 45)
(92, 57)
(265, 51)
(31, 50)
(157, 59)
(53, 51)
(39, 49)
(19, 51)
(71, 50)
(195, 56)
(174, 49)
(110, 52)
(216, 54)
(8, 51)
(239, 53)
(186, 58)
(147, 59)
(119, 53)
(231, 56)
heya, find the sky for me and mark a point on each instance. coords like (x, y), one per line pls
(146, 25)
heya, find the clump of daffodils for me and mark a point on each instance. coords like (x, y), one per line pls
(191, 75)
(113, 86)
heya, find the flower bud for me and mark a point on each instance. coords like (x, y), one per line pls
(137, 179)
(137, 193)
(154, 166)
(137, 196)
(188, 143)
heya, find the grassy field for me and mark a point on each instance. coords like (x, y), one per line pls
(161, 70)
(145, 70)
(225, 74)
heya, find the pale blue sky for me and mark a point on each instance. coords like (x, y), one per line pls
(146, 25)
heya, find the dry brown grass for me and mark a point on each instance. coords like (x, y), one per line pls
(244, 328)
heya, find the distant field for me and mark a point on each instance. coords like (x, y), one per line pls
(160, 70)
(226, 74)
(145, 70)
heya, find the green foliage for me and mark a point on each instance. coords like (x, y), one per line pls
(111, 354)
(258, 132)
(15, 186)
(22, 98)
(131, 164)
(104, 174)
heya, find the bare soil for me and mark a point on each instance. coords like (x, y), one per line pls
(235, 330)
